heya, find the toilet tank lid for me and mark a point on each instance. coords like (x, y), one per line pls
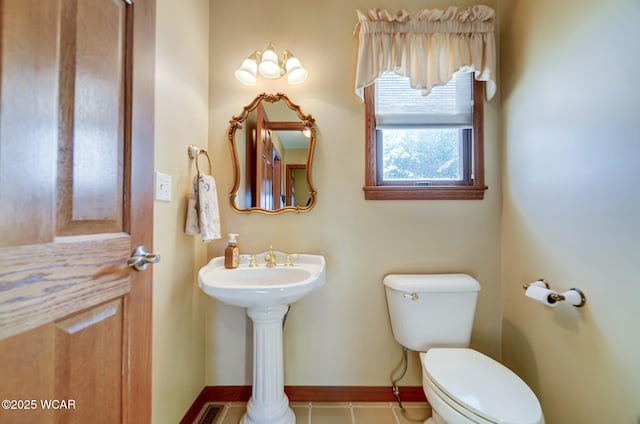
(432, 282)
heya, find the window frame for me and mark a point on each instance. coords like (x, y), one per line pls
(469, 190)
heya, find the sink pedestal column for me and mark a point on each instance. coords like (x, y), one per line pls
(268, 403)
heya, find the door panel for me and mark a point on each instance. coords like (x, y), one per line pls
(264, 160)
(97, 330)
(28, 358)
(29, 116)
(76, 149)
(77, 360)
(91, 154)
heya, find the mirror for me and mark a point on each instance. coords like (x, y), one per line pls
(272, 144)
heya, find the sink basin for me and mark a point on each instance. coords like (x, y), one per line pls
(266, 293)
(248, 286)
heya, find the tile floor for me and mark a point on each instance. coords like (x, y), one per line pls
(334, 413)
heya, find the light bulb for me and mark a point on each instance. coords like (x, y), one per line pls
(295, 72)
(269, 66)
(246, 74)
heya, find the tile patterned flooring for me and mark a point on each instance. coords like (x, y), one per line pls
(335, 413)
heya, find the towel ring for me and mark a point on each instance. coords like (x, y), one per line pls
(194, 152)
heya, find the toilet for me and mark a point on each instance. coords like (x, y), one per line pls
(433, 314)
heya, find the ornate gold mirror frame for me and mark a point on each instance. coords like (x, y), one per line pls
(258, 151)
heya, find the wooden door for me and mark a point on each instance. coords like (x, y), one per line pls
(277, 180)
(294, 173)
(265, 172)
(76, 157)
(264, 162)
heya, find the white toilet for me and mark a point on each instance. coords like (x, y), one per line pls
(433, 314)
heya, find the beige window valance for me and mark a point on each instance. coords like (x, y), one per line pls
(428, 48)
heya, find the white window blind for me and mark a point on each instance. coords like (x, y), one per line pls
(400, 106)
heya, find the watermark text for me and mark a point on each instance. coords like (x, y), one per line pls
(26, 404)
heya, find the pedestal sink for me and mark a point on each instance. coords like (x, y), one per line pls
(266, 293)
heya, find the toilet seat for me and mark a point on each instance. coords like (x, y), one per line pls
(475, 384)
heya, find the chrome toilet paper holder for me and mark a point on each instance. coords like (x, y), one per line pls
(574, 296)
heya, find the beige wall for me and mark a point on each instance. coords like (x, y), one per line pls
(570, 211)
(339, 335)
(181, 117)
(571, 106)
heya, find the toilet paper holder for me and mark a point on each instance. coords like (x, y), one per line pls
(574, 296)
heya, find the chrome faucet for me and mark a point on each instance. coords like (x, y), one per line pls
(270, 258)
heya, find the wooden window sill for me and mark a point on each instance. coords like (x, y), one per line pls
(424, 193)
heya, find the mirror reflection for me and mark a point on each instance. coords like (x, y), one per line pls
(272, 145)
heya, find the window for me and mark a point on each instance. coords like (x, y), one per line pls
(424, 147)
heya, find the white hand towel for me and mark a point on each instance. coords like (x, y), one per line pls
(203, 216)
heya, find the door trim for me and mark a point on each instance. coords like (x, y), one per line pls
(140, 92)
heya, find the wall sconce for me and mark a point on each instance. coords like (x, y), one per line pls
(268, 65)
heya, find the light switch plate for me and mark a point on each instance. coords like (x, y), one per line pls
(163, 187)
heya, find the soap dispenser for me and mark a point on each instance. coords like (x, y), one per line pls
(232, 253)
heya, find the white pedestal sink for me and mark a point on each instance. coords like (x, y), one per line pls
(266, 293)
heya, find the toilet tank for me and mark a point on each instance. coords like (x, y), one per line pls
(431, 310)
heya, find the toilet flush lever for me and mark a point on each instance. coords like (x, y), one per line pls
(412, 296)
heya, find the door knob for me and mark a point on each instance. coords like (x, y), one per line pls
(141, 258)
